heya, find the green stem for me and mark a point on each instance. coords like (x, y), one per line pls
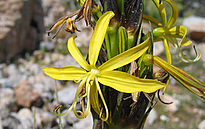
(61, 126)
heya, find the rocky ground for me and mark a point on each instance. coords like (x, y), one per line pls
(27, 95)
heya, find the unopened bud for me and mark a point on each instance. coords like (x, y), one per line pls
(148, 60)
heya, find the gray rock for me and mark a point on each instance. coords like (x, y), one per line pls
(6, 95)
(21, 26)
(196, 27)
(21, 120)
(7, 102)
(202, 125)
(6, 82)
(47, 58)
(70, 118)
(44, 119)
(14, 75)
(85, 123)
(152, 117)
(158, 48)
(171, 107)
(67, 61)
(44, 91)
(35, 69)
(26, 117)
(66, 95)
(164, 118)
(48, 46)
(1, 126)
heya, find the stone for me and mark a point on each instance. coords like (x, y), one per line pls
(14, 75)
(70, 118)
(164, 118)
(196, 27)
(158, 48)
(85, 123)
(56, 57)
(38, 55)
(35, 69)
(1, 126)
(26, 117)
(7, 102)
(202, 124)
(171, 107)
(6, 82)
(44, 119)
(27, 96)
(48, 46)
(152, 117)
(21, 120)
(47, 58)
(21, 27)
(66, 95)
(6, 95)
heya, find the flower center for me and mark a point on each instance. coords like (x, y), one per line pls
(95, 71)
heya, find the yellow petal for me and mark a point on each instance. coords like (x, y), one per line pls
(94, 98)
(188, 81)
(98, 36)
(174, 15)
(154, 22)
(162, 12)
(125, 57)
(181, 31)
(77, 54)
(127, 83)
(65, 73)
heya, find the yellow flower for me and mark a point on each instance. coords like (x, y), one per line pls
(188, 81)
(166, 33)
(91, 74)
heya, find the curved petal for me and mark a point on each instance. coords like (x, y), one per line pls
(181, 31)
(94, 101)
(188, 81)
(172, 39)
(127, 83)
(98, 36)
(169, 58)
(174, 15)
(57, 24)
(162, 12)
(125, 57)
(154, 22)
(65, 73)
(74, 102)
(104, 103)
(77, 54)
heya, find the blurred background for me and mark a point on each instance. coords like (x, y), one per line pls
(27, 96)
